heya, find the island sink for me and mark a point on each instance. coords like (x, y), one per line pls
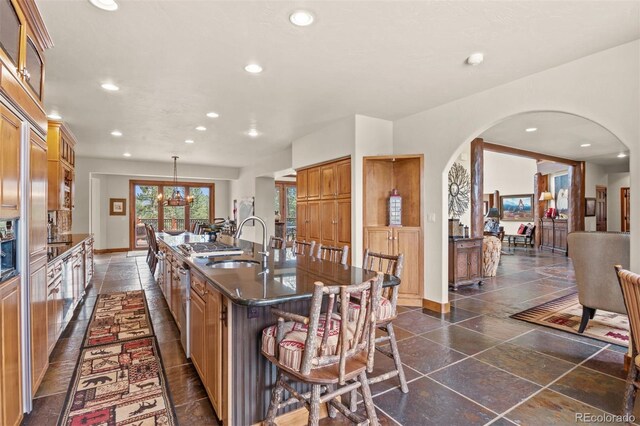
(233, 264)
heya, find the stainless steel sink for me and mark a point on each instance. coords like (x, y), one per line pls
(233, 264)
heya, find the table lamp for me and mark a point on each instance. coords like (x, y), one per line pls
(548, 197)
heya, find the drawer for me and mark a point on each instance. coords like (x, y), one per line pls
(468, 244)
(199, 285)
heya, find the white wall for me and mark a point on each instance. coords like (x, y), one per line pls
(615, 182)
(602, 87)
(510, 175)
(594, 175)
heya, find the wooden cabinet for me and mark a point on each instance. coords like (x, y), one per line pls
(554, 234)
(328, 222)
(38, 197)
(301, 221)
(382, 174)
(313, 221)
(215, 349)
(9, 164)
(465, 261)
(61, 159)
(313, 184)
(10, 358)
(394, 241)
(198, 333)
(301, 185)
(335, 180)
(39, 322)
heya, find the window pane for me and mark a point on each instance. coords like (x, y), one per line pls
(199, 210)
(146, 212)
(34, 66)
(173, 216)
(276, 204)
(9, 30)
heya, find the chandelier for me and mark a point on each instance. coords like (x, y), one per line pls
(177, 198)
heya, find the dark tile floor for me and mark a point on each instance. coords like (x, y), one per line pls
(474, 365)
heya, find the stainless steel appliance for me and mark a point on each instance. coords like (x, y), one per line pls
(8, 250)
(66, 287)
(185, 309)
(209, 248)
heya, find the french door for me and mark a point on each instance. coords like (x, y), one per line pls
(144, 208)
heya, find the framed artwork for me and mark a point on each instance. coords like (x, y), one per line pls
(516, 207)
(561, 193)
(117, 206)
(245, 208)
(590, 206)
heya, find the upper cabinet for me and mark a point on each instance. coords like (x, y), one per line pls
(9, 164)
(11, 25)
(61, 160)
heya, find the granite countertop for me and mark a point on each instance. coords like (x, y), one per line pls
(290, 277)
(63, 245)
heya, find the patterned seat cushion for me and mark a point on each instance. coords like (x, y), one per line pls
(385, 310)
(295, 336)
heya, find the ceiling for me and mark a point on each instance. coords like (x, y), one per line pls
(176, 60)
(561, 135)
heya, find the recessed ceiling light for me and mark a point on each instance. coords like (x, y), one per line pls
(622, 155)
(213, 114)
(127, 154)
(116, 133)
(110, 87)
(585, 145)
(189, 141)
(253, 133)
(108, 5)
(531, 129)
(253, 69)
(301, 18)
(475, 58)
(201, 128)
(55, 116)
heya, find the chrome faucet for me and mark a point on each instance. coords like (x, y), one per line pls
(265, 248)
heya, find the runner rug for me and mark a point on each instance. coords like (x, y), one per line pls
(119, 378)
(565, 313)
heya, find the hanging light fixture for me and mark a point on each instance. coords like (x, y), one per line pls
(177, 199)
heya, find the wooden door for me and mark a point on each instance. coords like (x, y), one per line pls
(328, 189)
(625, 209)
(54, 313)
(343, 219)
(214, 349)
(408, 241)
(39, 323)
(328, 223)
(379, 239)
(313, 221)
(198, 333)
(301, 184)
(301, 220)
(38, 197)
(343, 179)
(9, 164)
(601, 208)
(313, 183)
(11, 362)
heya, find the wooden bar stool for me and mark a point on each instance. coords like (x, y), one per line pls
(276, 243)
(333, 254)
(303, 248)
(387, 311)
(325, 352)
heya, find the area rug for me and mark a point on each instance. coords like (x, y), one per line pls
(119, 384)
(118, 317)
(565, 314)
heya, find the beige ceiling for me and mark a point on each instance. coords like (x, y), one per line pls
(176, 60)
(561, 135)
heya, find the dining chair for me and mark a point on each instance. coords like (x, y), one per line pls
(333, 254)
(303, 248)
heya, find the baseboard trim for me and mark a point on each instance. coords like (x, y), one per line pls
(111, 250)
(442, 308)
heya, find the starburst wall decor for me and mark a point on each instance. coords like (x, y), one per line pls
(459, 190)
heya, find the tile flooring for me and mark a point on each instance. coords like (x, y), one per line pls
(471, 366)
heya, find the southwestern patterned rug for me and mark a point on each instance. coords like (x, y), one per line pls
(119, 377)
(565, 314)
(118, 317)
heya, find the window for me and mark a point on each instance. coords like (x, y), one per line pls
(285, 207)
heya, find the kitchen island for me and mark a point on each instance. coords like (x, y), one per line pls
(229, 308)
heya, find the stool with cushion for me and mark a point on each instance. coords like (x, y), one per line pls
(303, 248)
(325, 352)
(333, 254)
(491, 248)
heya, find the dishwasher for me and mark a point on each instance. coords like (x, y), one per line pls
(185, 309)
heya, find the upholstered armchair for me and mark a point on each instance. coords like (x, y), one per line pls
(594, 255)
(491, 247)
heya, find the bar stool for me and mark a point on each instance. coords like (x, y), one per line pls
(333, 254)
(387, 312)
(276, 243)
(303, 248)
(321, 350)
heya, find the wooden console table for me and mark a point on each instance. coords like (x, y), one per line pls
(554, 234)
(465, 261)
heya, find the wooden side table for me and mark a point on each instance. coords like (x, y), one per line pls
(465, 262)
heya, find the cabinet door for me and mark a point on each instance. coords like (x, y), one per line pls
(34, 68)
(328, 223)
(343, 179)
(343, 219)
(475, 262)
(198, 333)
(39, 324)
(10, 380)
(301, 220)
(408, 241)
(328, 182)
(313, 221)
(54, 314)
(10, 35)
(175, 296)
(215, 348)
(462, 264)
(301, 184)
(378, 239)
(10, 164)
(38, 196)
(313, 183)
